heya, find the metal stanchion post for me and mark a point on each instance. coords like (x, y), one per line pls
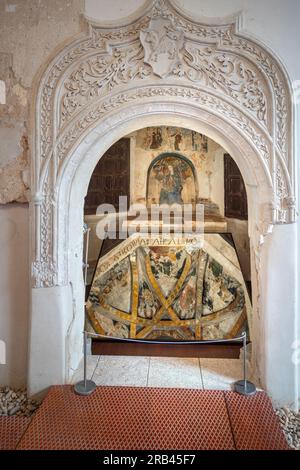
(85, 264)
(84, 387)
(244, 387)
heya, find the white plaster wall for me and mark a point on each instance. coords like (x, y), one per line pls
(29, 31)
(278, 349)
(52, 363)
(14, 292)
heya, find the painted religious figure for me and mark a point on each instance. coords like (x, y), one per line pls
(170, 139)
(171, 180)
(156, 140)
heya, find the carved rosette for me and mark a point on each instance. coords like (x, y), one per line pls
(163, 54)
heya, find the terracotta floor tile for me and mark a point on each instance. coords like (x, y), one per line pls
(254, 423)
(130, 418)
(11, 430)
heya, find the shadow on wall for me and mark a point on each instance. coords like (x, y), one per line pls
(239, 231)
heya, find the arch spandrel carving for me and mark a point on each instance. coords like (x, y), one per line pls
(163, 56)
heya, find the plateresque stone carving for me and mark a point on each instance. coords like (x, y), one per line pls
(162, 55)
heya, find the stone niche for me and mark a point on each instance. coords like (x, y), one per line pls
(171, 180)
(164, 156)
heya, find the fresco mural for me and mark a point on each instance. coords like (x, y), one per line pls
(171, 180)
(173, 139)
(171, 293)
(204, 155)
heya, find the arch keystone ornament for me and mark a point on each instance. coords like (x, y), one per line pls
(163, 68)
(163, 43)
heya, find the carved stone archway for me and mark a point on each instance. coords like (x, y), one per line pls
(162, 68)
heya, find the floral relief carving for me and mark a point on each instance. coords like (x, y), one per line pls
(44, 268)
(100, 75)
(227, 37)
(44, 272)
(162, 10)
(271, 70)
(119, 34)
(248, 91)
(209, 101)
(204, 66)
(230, 75)
(71, 55)
(282, 191)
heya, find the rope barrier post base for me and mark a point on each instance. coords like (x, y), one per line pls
(244, 387)
(85, 387)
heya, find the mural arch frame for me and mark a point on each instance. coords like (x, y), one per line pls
(179, 156)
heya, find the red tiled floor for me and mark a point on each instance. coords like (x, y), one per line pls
(11, 430)
(130, 418)
(254, 423)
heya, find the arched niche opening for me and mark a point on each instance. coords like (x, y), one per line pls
(212, 300)
(253, 121)
(171, 179)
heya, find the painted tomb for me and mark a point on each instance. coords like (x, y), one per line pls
(170, 292)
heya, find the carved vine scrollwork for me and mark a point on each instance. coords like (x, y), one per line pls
(202, 66)
(282, 191)
(230, 75)
(204, 99)
(44, 269)
(100, 75)
(216, 67)
(46, 106)
(263, 60)
(161, 9)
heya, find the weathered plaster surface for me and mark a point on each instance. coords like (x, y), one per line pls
(14, 177)
(14, 292)
(29, 31)
(32, 29)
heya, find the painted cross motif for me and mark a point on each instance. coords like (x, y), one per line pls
(173, 294)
